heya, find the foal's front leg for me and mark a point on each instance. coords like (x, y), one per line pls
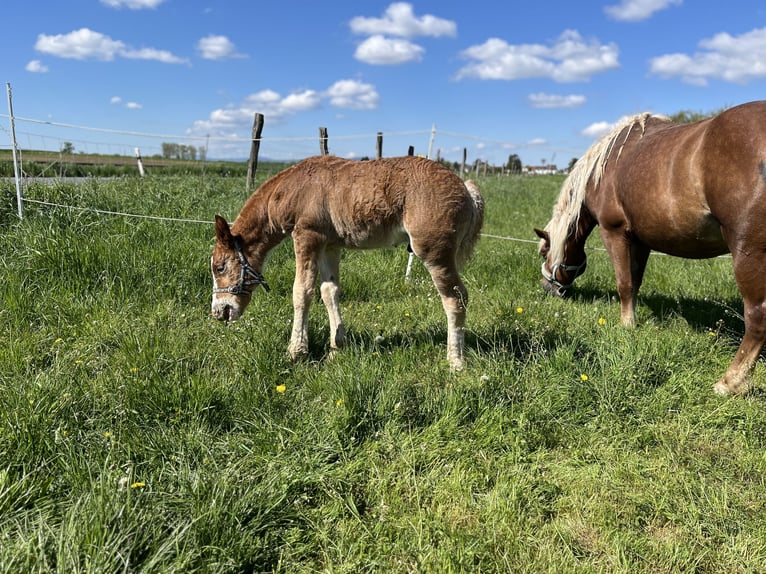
(303, 293)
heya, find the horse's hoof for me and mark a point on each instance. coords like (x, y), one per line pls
(456, 365)
(722, 389)
(297, 355)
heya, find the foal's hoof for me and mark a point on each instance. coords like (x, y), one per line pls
(298, 355)
(722, 389)
(456, 365)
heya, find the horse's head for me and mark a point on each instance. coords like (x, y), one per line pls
(558, 276)
(233, 277)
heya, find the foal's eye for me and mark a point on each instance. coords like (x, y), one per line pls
(220, 267)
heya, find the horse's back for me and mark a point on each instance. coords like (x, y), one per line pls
(678, 187)
(371, 203)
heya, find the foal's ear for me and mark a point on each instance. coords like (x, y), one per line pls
(223, 231)
(543, 234)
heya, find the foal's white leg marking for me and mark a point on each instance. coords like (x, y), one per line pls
(455, 311)
(303, 293)
(329, 270)
(454, 298)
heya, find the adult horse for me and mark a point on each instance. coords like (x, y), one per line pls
(691, 190)
(327, 203)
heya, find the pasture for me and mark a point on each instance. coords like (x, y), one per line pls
(137, 434)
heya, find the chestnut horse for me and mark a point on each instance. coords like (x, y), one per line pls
(327, 203)
(691, 190)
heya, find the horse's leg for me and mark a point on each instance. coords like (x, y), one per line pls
(454, 300)
(629, 261)
(306, 252)
(747, 272)
(329, 271)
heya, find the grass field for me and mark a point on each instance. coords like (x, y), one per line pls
(137, 434)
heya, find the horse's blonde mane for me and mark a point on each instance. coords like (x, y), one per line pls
(589, 168)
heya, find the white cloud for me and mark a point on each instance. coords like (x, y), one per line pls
(569, 59)
(400, 20)
(541, 100)
(597, 130)
(379, 50)
(737, 59)
(132, 4)
(301, 102)
(537, 141)
(352, 94)
(345, 94)
(152, 54)
(115, 100)
(36, 66)
(133, 106)
(85, 44)
(214, 47)
(636, 10)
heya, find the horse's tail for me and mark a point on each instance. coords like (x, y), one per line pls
(473, 227)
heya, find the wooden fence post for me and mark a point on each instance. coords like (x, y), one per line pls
(14, 145)
(462, 166)
(255, 145)
(323, 141)
(379, 145)
(411, 150)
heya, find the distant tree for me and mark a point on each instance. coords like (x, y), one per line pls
(514, 163)
(572, 163)
(687, 116)
(67, 148)
(169, 150)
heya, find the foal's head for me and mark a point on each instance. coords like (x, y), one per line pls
(558, 276)
(233, 277)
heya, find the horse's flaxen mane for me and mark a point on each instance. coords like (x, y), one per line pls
(589, 168)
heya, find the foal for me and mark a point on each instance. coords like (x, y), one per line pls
(326, 203)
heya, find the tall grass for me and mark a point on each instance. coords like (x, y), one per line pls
(139, 435)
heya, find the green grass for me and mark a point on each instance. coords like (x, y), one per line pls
(137, 434)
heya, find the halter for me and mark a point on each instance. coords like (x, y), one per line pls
(551, 277)
(247, 276)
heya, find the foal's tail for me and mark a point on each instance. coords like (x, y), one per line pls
(473, 224)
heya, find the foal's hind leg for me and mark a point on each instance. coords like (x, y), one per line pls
(329, 271)
(454, 300)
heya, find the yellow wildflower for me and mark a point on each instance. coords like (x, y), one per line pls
(137, 485)
(601, 321)
(583, 377)
(339, 402)
(519, 309)
(281, 388)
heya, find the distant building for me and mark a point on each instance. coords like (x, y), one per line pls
(548, 169)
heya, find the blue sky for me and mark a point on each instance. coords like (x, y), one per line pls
(539, 79)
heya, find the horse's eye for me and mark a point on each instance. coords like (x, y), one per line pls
(220, 267)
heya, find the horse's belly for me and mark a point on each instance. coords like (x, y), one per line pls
(374, 238)
(695, 237)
